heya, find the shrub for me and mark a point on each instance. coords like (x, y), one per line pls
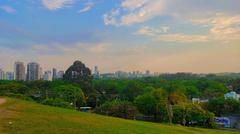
(57, 103)
(192, 115)
(117, 108)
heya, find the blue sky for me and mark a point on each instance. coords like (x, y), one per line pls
(159, 35)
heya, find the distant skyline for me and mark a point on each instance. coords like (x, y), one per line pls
(158, 35)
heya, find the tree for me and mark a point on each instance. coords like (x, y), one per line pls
(57, 102)
(79, 73)
(147, 104)
(189, 114)
(236, 85)
(71, 94)
(13, 87)
(132, 90)
(108, 90)
(192, 92)
(118, 108)
(222, 106)
(39, 87)
(171, 95)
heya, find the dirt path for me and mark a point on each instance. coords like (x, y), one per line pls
(2, 101)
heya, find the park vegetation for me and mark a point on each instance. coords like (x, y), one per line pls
(167, 98)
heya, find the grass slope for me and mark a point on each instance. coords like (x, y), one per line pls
(32, 118)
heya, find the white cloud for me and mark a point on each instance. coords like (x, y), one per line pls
(8, 9)
(182, 38)
(222, 28)
(88, 6)
(149, 31)
(111, 18)
(137, 11)
(56, 4)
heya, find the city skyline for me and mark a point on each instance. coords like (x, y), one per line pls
(24, 69)
(161, 35)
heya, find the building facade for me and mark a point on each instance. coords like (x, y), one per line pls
(2, 75)
(96, 73)
(9, 76)
(33, 71)
(60, 74)
(19, 71)
(54, 74)
(47, 76)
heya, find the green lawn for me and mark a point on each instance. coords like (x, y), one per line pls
(32, 118)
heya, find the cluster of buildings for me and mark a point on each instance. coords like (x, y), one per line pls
(32, 72)
(122, 74)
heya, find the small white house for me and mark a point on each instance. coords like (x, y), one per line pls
(232, 95)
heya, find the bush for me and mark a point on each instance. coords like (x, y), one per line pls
(18, 96)
(117, 108)
(192, 115)
(15, 88)
(57, 103)
(222, 106)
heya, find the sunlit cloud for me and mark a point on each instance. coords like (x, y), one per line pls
(222, 29)
(137, 11)
(150, 31)
(159, 35)
(56, 4)
(130, 12)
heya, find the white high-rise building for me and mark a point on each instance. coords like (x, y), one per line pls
(47, 76)
(33, 71)
(96, 73)
(9, 76)
(2, 76)
(19, 71)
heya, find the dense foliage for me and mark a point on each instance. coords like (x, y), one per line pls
(117, 108)
(45, 92)
(167, 98)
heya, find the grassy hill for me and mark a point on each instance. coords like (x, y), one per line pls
(18, 117)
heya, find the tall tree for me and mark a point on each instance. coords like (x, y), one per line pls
(171, 95)
(79, 73)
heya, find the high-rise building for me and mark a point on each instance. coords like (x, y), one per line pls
(2, 76)
(41, 73)
(54, 74)
(9, 76)
(148, 73)
(60, 74)
(96, 73)
(47, 76)
(33, 71)
(19, 71)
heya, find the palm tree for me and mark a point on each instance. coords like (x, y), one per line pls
(171, 96)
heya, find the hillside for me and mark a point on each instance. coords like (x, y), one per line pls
(19, 117)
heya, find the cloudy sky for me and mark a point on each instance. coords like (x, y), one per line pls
(160, 35)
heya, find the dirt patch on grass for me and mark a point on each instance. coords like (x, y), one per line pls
(2, 101)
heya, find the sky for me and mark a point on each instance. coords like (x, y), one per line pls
(200, 36)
